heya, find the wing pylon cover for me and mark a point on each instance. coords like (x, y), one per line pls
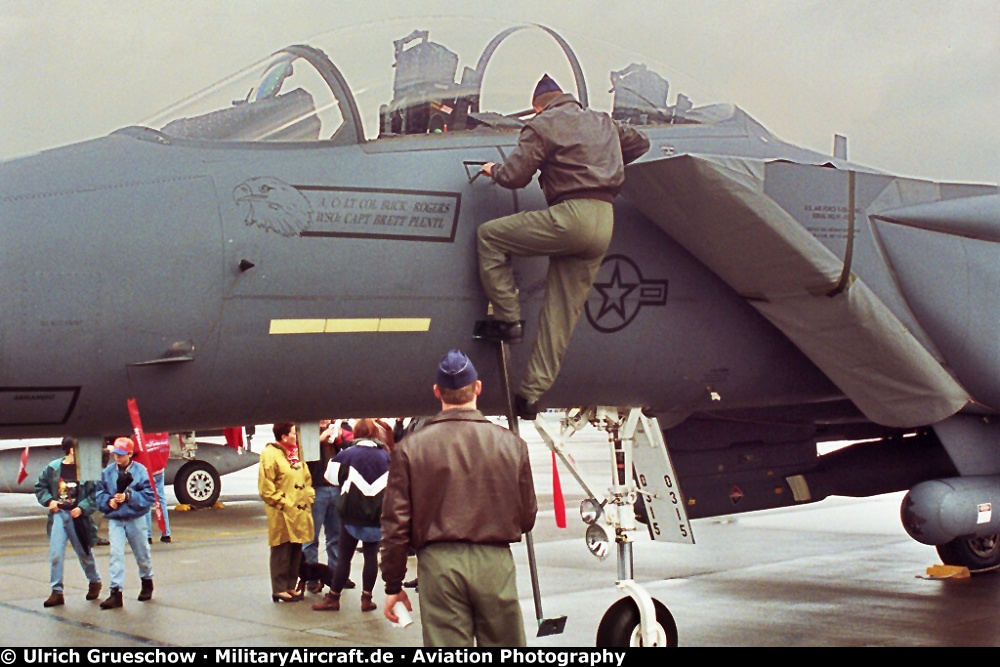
(716, 208)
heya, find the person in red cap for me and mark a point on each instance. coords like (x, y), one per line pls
(125, 495)
(459, 492)
(581, 154)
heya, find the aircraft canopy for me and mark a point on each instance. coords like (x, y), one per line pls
(386, 81)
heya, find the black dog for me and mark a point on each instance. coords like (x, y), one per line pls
(314, 572)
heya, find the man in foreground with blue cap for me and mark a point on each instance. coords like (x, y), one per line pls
(459, 492)
(581, 154)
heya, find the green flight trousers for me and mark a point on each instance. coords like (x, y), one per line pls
(468, 595)
(575, 235)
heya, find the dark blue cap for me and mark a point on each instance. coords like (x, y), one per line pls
(545, 85)
(456, 371)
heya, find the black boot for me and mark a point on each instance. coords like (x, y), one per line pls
(114, 600)
(503, 332)
(525, 409)
(147, 590)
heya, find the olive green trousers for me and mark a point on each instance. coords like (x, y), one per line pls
(468, 595)
(574, 235)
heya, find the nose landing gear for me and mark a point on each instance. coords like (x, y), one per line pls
(641, 471)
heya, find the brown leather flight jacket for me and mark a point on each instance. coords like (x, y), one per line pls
(459, 478)
(581, 153)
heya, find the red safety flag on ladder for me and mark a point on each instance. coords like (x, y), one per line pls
(557, 495)
(140, 445)
(22, 471)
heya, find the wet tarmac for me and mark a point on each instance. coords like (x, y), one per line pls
(838, 573)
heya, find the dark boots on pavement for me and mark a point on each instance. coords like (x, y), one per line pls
(114, 600)
(330, 602)
(147, 590)
(93, 590)
(54, 600)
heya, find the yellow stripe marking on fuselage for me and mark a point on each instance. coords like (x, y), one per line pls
(404, 324)
(351, 325)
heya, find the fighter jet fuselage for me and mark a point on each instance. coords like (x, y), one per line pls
(130, 261)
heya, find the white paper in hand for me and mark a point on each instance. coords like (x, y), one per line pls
(399, 609)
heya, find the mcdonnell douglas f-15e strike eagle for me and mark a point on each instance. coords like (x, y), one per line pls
(300, 239)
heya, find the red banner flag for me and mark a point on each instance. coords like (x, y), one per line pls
(140, 445)
(557, 495)
(157, 452)
(22, 471)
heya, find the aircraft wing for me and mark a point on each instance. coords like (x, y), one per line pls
(716, 208)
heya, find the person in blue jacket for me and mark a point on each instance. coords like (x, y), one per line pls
(125, 495)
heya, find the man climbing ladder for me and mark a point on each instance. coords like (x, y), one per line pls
(582, 155)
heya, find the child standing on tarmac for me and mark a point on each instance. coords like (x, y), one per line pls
(125, 495)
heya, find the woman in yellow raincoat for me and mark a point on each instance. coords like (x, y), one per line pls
(286, 488)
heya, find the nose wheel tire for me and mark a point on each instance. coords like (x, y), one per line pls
(620, 626)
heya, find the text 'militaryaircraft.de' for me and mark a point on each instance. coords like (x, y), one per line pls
(300, 240)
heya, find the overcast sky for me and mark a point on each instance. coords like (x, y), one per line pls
(913, 84)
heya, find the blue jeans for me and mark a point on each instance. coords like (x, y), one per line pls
(63, 531)
(133, 530)
(324, 511)
(163, 503)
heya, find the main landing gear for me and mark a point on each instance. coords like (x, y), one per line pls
(979, 554)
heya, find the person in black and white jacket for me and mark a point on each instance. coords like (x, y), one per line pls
(362, 471)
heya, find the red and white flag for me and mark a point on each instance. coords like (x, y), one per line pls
(22, 472)
(157, 452)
